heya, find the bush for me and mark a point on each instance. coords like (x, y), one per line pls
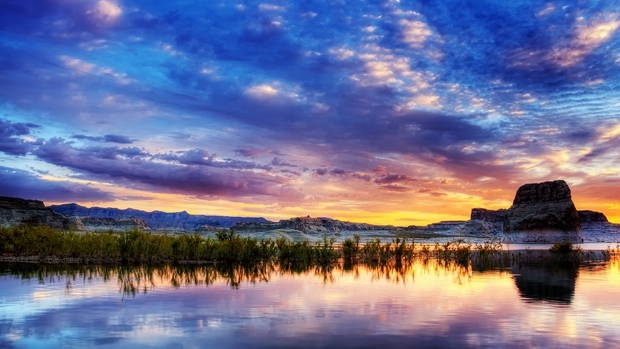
(563, 248)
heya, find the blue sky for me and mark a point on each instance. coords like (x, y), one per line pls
(378, 111)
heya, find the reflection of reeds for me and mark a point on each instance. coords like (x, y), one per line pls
(135, 279)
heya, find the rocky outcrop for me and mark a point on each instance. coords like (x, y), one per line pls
(482, 214)
(596, 228)
(543, 212)
(540, 213)
(20, 212)
(310, 225)
(156, 220)
(444, 225)
(116, 224)
(478, 228)
(587, 216)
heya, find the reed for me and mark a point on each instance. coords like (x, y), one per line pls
(458, 250)
(350, 247)
(43, 244)
(491, 254)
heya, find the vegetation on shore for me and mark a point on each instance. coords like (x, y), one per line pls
(43, 244)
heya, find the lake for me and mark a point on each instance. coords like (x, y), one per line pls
(427, 304)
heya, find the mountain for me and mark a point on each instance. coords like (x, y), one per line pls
(156, 220)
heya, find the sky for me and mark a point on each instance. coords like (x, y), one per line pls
(386, 112)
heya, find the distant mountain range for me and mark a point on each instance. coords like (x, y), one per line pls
(156, 220)
(540, 213)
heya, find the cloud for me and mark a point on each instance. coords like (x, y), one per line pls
(262, 91)
(294, 173)
(277, 161)
(107, 10)
(391, 178)
(23, 184)
(202, 157)
(320, 171)
(414, 33)
(395, 187)
(109, 138)
(251, 153)
(601, 147)
(10, 141)
(380, 169)
(588, 37)
(362, 176)
(445, 90)
(195, 174)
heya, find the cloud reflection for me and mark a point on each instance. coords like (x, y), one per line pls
(428, 303)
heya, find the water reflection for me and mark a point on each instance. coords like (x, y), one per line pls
(553, 283)
(425, 303)
(136, 279)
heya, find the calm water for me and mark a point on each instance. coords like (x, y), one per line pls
(425, 305)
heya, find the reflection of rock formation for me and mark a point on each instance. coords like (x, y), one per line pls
(545, 283)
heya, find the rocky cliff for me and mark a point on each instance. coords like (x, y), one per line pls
(21, 212)
(156, 220)
(309, 225)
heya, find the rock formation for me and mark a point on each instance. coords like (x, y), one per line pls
(156, 220)
(543, 212)
(587, 216)
(309, 225)
(117, 224)
(494, 216)
(20, 212)
(596, 228)
(478, 228)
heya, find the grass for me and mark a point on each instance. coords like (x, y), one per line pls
(136, 246)
(43, 244)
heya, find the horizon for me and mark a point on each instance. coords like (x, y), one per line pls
(302, 216)
(377, 112)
